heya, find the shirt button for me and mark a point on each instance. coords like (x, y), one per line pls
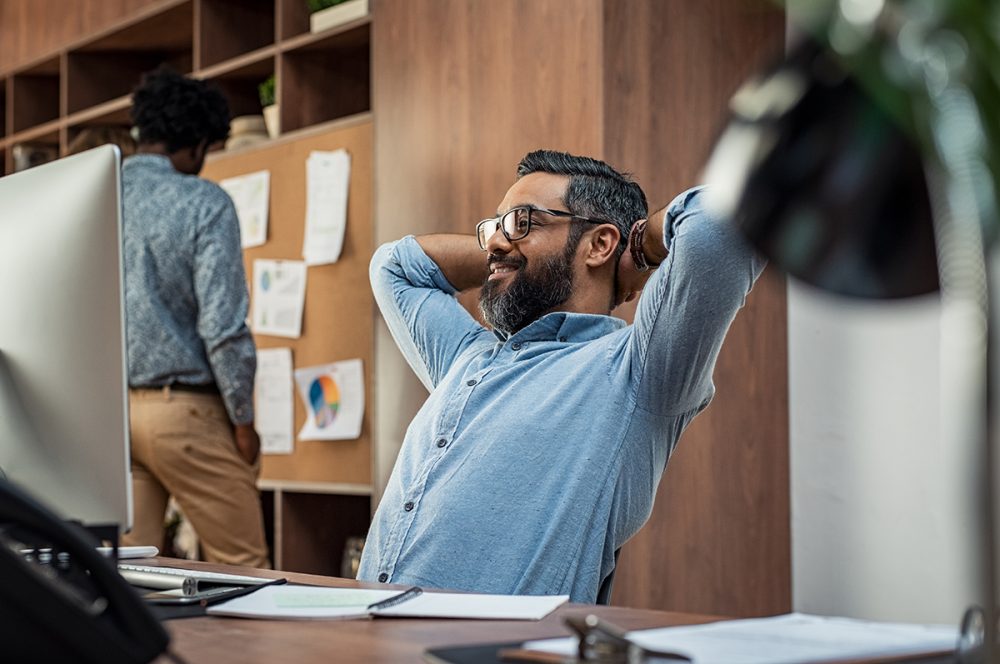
(408, 507)
(471, 382)
(442, 442)
(516, 345)
(383, 577)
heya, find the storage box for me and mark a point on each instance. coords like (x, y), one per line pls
(337, 15)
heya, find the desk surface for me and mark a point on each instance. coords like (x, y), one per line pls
(222, 640)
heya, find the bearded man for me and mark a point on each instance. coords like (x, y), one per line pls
(541, 446)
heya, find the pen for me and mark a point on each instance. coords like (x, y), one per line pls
(404, 596)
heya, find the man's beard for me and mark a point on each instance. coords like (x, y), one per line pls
(531, 293)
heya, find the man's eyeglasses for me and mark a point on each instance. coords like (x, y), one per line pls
(516, 222)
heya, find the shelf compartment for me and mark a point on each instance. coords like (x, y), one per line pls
(240, 78)
(326, 76)
(268, 501)
(34, 95)
(114, 112)
(44, 138)
(293, 18)
(111, 66)
(315, 527)
(230, 28)
(3, 113)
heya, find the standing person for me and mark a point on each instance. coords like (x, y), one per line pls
(191, 356)
(540, 448)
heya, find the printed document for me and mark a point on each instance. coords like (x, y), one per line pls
(251, 195)
(279, 297)
(273, 401)
(328, 176)
(334, 397)
(789, 639)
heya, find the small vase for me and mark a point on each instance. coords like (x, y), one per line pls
(272, 120)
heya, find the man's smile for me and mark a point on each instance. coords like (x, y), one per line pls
(500, 268)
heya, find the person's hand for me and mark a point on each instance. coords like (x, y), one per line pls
(247, 442)
(630, 281)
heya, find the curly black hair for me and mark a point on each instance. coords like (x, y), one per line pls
(179, 111)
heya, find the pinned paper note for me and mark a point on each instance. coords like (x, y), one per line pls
(334, 397)
(273, 401)
(328, 175)
(251, 195)
(279, 295)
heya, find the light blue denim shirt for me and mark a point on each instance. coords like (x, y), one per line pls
(185, 288)
(537, 456)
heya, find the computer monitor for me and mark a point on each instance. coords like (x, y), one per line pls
(63, 386)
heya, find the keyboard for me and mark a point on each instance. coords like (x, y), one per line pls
(166, 578)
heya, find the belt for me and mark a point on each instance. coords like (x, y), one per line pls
(206, 388)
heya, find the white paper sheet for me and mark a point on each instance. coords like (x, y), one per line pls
(477, 607)
(334, 397)
(787, 639)
(273, 397)
(290, 602)
(328, 175)
(251, 195)
(279, 295)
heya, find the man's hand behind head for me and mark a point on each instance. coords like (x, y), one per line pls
(630, 280)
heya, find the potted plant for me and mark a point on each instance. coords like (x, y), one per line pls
(325, 14)
(269, 103)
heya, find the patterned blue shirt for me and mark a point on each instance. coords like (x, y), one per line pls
(538, 455)
(185, 288)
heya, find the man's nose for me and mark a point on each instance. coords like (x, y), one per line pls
(498, 243)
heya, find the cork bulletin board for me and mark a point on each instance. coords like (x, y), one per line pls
(338, 319)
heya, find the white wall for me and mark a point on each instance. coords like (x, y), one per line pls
(878, 482)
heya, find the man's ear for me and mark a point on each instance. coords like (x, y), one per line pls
(601, 245)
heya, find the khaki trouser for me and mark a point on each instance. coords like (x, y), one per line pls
(183, 446)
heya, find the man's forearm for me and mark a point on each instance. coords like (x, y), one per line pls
(459, 257)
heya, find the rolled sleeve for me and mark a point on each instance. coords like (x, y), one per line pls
(418, 304)
(687, 307)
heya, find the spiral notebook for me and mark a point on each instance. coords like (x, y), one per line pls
(295, 602)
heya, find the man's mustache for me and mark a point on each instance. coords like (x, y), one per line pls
(505, 260)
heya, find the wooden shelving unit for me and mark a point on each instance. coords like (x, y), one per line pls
(322, 84)
(236, 43)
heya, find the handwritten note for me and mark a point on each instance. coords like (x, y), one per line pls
(273, 401)
(250, 194)
(328, 176)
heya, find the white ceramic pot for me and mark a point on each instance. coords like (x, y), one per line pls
(272, 120)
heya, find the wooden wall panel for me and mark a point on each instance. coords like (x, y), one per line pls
(718, 540)
(462, 90)
(30, 29)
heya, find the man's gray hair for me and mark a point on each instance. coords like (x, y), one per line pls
(595, 190)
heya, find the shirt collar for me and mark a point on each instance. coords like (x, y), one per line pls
(566, 326)
(149, 160)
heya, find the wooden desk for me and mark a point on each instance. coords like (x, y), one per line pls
(222, 640)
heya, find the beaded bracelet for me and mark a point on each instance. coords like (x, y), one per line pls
(635, 246)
